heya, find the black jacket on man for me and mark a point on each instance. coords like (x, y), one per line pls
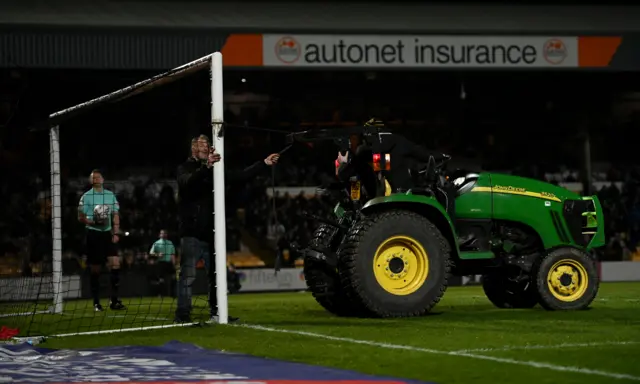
(195, 186)
(404, 155)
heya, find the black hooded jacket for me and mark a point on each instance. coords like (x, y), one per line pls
(404, 155)
(195, 197)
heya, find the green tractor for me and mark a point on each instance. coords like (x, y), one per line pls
(392, 253)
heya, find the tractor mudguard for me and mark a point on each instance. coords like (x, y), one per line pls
(424, 205)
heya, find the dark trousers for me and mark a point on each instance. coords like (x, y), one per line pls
(194, 250)
(164, 274)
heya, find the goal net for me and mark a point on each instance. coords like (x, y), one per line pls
(48, 287)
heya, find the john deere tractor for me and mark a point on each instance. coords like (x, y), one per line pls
(389, 252)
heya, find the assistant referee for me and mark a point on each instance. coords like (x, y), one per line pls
(99, 210)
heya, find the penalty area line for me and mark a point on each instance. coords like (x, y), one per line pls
(527, 363)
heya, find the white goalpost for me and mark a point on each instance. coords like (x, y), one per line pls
(219, 224)
(213, 62)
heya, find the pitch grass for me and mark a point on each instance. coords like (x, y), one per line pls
(464, 320)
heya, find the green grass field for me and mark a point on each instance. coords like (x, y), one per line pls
(466, 340)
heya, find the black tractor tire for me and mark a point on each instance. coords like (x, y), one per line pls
(505, 294)
(358, 252)
(573, 268)
(324, 282)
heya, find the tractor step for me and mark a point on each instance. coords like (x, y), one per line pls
(332, 223)
(322, 255)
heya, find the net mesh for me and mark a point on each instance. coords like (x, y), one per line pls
(26, 288)
(137, 145)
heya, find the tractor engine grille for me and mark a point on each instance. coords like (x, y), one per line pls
(577, 215)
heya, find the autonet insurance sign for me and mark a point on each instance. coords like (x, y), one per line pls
(419, 51)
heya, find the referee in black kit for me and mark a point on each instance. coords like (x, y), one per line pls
(99, 211)
(195, 186)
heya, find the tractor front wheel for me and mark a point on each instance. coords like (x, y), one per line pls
(566, 279)
(322, 281)
(396, 263)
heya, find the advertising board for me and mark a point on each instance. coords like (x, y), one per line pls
(265, 279)
(420, 51)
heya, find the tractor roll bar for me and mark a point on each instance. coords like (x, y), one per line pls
(341, 137)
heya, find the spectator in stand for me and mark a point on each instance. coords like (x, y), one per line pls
(163, 255)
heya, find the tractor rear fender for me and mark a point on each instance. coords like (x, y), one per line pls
(428, 207)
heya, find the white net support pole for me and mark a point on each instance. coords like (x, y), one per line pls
(220, 223)
(56, 220)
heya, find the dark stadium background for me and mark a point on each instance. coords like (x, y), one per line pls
(576, 127)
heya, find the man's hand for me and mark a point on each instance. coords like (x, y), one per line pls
(343, 159)
(115, 238)
(272, 159)
(213, 158)
(84, 220)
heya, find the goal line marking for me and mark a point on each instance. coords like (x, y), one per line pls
(30, 313)
(551, 346)
(528, 363)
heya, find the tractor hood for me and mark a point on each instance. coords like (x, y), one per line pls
(530, 187)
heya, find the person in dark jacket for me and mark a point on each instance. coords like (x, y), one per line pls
(195, 210)
(404, 154)
(357, 160)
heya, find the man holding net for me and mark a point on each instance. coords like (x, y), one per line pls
(99, 210)
(195, 186)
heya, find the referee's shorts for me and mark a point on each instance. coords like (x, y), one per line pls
(99, 247)
(166, 268)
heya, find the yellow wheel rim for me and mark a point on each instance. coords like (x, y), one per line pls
(567, 280)
(401, 265)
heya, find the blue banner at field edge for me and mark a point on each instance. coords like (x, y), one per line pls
(172, 362)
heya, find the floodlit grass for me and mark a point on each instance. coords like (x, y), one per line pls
(466, 340)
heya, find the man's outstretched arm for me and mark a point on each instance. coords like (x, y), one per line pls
(251, 171)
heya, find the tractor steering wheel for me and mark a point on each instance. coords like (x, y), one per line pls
(432, 171)
(433, 167)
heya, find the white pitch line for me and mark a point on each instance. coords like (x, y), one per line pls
(144, 317)
(24, 313)
(551, 346)
(528, 363)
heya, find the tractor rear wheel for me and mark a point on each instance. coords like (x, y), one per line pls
(396, 263)
(322, 281)
(566, 279)
(504, 293)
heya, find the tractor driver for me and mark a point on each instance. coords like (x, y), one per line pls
(360, 164)
(403, 155)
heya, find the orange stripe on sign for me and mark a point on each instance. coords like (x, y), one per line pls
(242, 50)
(597, 51)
